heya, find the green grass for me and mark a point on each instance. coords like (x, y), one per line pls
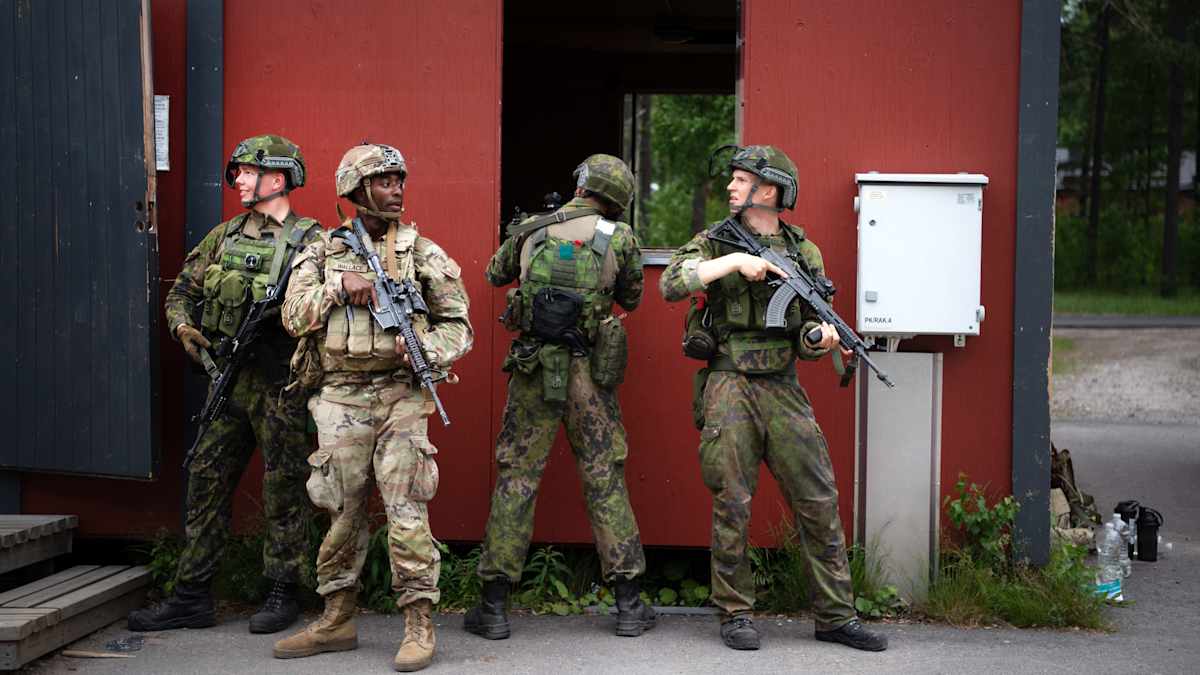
(1058, 595)
(1139, 302)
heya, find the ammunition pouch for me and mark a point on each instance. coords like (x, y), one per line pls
(610, 353)
(555, 318)
(699, 338)
(556, 364)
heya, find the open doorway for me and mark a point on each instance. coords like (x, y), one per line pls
(616, 78)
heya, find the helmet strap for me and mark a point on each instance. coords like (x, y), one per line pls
(749, 203)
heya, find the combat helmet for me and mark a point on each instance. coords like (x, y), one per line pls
(772, 165)
(608, 177)
(357, 167)
(272, 152)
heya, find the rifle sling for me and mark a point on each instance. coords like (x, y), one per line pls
(559, 216)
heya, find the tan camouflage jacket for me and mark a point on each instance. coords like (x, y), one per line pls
(505, 265)
(185, 299)
(315, 294)
(679, 280)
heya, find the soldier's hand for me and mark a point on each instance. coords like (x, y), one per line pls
(192, 340)
(359, 291)
(753, 267)
(829, 338)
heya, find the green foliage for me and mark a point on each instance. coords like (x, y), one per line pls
(1063, 353)
(1144, 302)
(162, 559)
(987, 532)
(684, 130)
(1059, 595)
(458, 582)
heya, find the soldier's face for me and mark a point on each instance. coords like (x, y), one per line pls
(388, 192)
(246, 179)
(739, 188)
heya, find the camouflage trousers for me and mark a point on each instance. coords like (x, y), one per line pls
(373, 433)
(254, 417)
(593, 420)
(749, 420)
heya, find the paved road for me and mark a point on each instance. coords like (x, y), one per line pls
(1156, 464)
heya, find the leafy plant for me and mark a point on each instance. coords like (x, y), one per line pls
(162, 559)
(987, 532)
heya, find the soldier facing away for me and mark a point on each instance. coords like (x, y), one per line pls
(371, 414)
(564, 367)
(753, 408)
(231, 267)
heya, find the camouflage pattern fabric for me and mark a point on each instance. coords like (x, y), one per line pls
(371, 423)
(749, 419)
(375, 432)
(255, 417)
(754, 419)
(608, 176)
(592, 418)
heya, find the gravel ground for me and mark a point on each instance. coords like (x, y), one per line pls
(1145, 375)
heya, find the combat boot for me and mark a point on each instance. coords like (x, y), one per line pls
(190, 606)
(634, 617)
(416, 651)
(335, 631)
(854, 634)
(278, 611)
(490, 618)
(739, 633)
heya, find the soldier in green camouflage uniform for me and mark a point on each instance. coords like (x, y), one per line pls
(755, 411)
(563, 368)
(232, 266)
(370, 412)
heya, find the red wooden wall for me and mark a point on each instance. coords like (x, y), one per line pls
(906, 87)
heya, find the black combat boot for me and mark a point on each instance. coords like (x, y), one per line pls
(279, 610)
(634, 617)
(188, 607)
(739, 633)
(490, 618)
(853, 634)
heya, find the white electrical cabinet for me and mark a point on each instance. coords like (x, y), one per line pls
(919, 253)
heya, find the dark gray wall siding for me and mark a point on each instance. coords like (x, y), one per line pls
(80, 390)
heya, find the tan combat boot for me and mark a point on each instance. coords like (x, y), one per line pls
(335, 631)
(416, 651)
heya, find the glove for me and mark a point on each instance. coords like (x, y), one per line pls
(192, 340)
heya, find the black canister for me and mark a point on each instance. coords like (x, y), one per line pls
(1129, 513)
(1148, 523)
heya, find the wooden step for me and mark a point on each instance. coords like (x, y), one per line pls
(29, 539)
(52, 612)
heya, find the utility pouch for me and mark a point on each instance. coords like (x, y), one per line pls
(522, 358)
(699, 382)
(699, 339)
(610, 354)
(511, 318)
(755, 353)
(556, 362)
(211, 319)
(233, 298)
(555, 313)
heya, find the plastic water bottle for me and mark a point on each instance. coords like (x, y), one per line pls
(1108, 581)
(1125, 531)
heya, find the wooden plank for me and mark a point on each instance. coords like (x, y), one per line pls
(68, 586)
(16, 624)
(14, 654)
(101, 592)
(37, 550)
(35, 586)
(31, 518)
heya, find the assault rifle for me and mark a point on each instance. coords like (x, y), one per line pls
(236, 351)
(398, 301)
(798, 283)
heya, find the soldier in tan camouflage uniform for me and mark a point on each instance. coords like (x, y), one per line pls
(753, 409)
(231, 267)
(371, 417)
(564, 368)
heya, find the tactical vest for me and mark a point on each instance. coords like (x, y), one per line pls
(244, 271)
(353, 339)
(738, 309)
(573, 255)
